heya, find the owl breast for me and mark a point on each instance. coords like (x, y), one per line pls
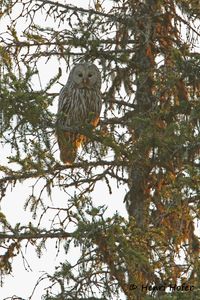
(84, 106)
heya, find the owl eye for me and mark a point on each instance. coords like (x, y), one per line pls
(89, 75)
(80, 75)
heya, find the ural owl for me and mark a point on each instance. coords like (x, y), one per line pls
(79, 104)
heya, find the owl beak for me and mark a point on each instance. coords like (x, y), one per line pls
(86, 82)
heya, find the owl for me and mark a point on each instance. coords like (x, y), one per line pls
(79, 104)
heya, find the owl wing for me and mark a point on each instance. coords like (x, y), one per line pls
(63, 100)
(98, 105)
(66, 140)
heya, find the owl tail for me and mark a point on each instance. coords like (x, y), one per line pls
(66, 146)
(68, 143)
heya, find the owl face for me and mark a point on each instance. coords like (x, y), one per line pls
(86, 75)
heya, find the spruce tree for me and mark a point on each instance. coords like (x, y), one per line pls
(148, 140)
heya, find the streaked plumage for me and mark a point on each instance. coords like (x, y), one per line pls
(79, 103)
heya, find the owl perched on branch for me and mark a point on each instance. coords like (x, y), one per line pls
(79, 104)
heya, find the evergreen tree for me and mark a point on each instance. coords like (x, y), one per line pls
(148, 139)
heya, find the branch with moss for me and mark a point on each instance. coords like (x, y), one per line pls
(29, 235)
(18, 176)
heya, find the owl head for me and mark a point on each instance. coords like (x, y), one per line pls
(86, 75)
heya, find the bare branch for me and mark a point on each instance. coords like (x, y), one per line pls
(108, 16)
